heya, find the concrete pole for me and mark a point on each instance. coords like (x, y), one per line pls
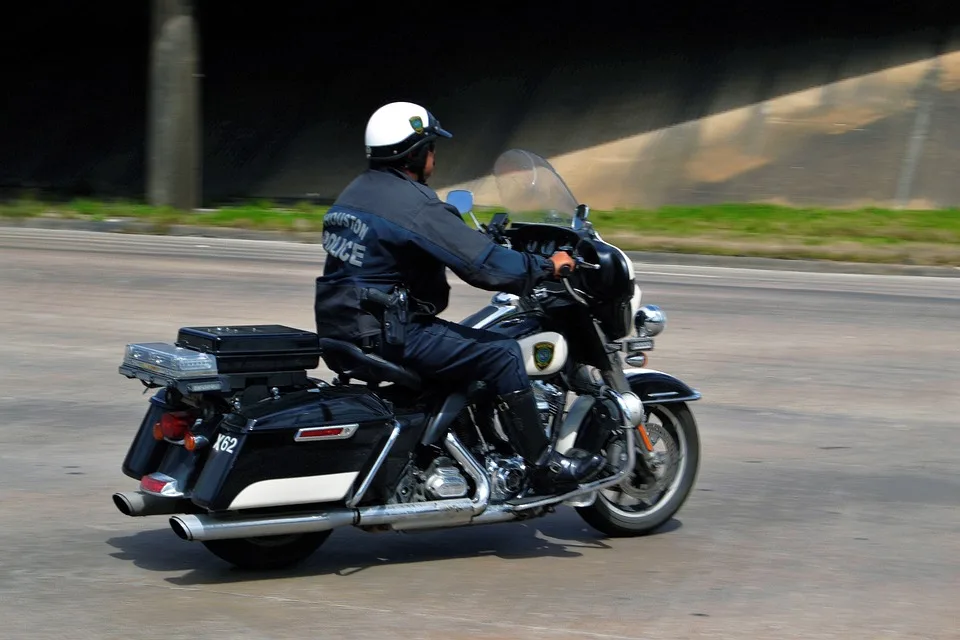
(173, 114)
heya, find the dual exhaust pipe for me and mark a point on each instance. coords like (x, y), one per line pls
(421, 515)
(400, 517)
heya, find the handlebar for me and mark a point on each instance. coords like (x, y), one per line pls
(566, 270)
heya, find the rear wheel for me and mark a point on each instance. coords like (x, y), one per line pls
(268, 552)
(643, 502)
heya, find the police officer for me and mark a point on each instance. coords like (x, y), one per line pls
(387, 229)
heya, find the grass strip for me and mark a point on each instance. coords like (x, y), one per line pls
(927, 237)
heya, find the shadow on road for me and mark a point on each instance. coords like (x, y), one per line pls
(348, 552)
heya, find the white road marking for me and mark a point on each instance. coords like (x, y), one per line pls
(672, 274)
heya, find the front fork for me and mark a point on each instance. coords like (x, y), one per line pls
(632, 411)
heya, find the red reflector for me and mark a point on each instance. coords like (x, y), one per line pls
(319, 432)
(175, 425)
(332, 432)
(152, 484)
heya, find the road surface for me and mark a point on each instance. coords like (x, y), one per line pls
(826, 506)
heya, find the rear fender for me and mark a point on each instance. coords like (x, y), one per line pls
(657, 387)
(146, 453)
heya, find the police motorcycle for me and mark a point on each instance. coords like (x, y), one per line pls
(260, 462)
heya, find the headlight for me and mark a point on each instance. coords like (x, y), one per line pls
(650, 320)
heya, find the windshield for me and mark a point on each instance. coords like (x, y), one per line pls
(531, 190)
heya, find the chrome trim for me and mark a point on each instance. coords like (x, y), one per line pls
(581, 501)
(636, 359)
(205, 527)
(502, 298)
(503, 309)
(381, 457)
(631, 407)
(482, 497)
(576, 296)
(438, 513)
(348, 431)
(418, 515)
(139, 503)
(636, 345)
(690, 398)
(650, 320)
(495, 513)
(660, 394)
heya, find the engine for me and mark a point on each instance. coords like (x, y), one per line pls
(506, 476)
(444, 480)
(441, 480)
(550, 402)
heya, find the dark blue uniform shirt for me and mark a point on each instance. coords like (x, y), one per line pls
(385, 230)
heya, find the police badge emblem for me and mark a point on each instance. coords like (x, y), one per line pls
(417, 123)
(542, 355)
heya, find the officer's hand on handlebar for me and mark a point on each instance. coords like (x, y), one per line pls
(563, 264)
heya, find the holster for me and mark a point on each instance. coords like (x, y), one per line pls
(394, 312)
(395, 318)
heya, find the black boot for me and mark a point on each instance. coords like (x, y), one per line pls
(521, 424)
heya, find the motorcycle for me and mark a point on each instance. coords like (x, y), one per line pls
(260, 462)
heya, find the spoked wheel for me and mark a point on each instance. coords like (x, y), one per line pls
(268, 552)
(645, 500)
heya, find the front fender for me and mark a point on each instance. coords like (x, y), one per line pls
(657, 387)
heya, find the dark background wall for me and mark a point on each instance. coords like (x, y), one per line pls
(287, 86)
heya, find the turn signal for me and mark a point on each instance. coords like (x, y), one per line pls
(192, 442)
(638, 359)
(645, 437)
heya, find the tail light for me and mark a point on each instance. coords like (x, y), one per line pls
(172, 426)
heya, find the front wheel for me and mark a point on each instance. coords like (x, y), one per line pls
(644, 502)
(268, 552)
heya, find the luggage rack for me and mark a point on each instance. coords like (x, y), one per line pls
(225, 359)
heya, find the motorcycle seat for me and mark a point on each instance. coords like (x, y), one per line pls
(350, 361)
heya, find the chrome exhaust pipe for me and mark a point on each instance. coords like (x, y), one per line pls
(491, 515)
(482, 497)
(204, 527)
(138, 503)
(438, 513)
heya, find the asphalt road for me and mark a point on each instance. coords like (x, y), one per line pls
(828, 502)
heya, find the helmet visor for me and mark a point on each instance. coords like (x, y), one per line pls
(433, 127)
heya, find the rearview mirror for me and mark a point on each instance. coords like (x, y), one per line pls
(461, 199)
(580, 217)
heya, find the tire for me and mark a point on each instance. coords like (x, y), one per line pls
(271, 552)
(614, 521)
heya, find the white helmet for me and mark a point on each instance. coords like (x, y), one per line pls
(398, 128)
